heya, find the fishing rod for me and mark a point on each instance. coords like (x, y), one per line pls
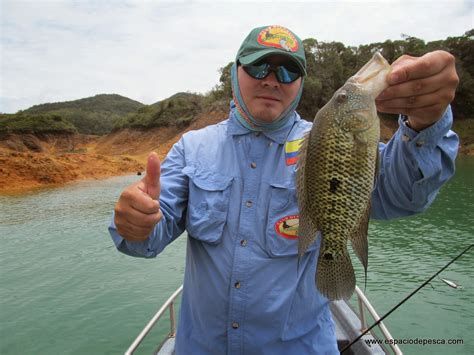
(406, 299)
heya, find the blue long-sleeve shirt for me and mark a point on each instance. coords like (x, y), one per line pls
(233, 191)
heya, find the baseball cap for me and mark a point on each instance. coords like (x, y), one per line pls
(264, 41)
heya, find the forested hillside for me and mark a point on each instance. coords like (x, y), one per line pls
(329, 64)
(40, 123)
(178, 110)
(91, 115)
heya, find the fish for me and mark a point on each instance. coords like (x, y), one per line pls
(335, 176)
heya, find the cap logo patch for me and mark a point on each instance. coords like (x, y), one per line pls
(287, 227)
(278, 37)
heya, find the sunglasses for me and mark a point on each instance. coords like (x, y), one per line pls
(285, 73)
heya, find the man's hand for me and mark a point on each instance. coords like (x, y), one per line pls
(138, 209)
(420, 88)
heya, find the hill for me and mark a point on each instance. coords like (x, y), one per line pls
(178, 110)
(39, 123)
(52, 158)
(92, 115)
(29, 161)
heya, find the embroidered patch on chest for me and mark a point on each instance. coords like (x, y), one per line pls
(287, 227)
(291, 151)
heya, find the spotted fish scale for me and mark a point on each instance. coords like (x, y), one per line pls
(335, 178)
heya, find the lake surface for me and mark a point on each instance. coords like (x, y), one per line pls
(66, 290)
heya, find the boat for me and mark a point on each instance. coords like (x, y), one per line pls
(349, 322)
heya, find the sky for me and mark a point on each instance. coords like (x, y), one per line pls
(63, 50)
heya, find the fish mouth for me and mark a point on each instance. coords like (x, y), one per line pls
(372, 77)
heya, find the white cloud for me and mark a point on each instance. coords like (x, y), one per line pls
(65, 50)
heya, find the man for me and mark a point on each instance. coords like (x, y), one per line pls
(232, 187)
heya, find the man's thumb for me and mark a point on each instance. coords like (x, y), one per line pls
(152, 177)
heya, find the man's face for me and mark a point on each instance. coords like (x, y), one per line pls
(267, 98)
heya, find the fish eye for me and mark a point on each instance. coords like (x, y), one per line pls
(341, 97)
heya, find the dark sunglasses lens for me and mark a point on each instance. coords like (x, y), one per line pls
(285, 75)
(257, 71)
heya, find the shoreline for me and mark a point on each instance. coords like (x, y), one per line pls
(33, 188)
(116, 166)
(32, 163)
(26, 173)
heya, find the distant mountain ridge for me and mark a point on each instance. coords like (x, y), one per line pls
(113, 103)
(103, 113)
(329, 64)
(92, 115)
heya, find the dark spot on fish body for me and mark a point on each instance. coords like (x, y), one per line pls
(334, 184)
(328, 256)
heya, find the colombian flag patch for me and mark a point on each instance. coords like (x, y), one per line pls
(291, 151)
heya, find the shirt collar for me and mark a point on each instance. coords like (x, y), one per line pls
(278, 135)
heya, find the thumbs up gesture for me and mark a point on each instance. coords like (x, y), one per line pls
(138, 209)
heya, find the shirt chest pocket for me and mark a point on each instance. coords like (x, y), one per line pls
(282, 222)
(208, 204)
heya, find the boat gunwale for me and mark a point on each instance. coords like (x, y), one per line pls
(362, 300)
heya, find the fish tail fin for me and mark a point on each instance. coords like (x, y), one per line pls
(335, 276)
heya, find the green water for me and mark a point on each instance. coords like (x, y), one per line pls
(66, 290)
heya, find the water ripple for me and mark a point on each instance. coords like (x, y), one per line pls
(61, 273)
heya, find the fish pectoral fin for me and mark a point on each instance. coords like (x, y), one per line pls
(378, 165)
(307, 233)
(302, 149)
(359, 239)
(307, 229)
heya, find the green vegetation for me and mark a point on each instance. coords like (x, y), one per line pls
(465, 129)
(178, 110)
(92, 115)
(46, 123)
(329, 64)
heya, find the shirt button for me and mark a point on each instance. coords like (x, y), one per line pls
(237, 284)
(243, 242)
(420, 144)
(253, 165)
(248, 203)
(235, 325)
(405, 138)
(257, 134)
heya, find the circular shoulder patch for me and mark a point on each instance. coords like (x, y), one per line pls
(278, 37)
